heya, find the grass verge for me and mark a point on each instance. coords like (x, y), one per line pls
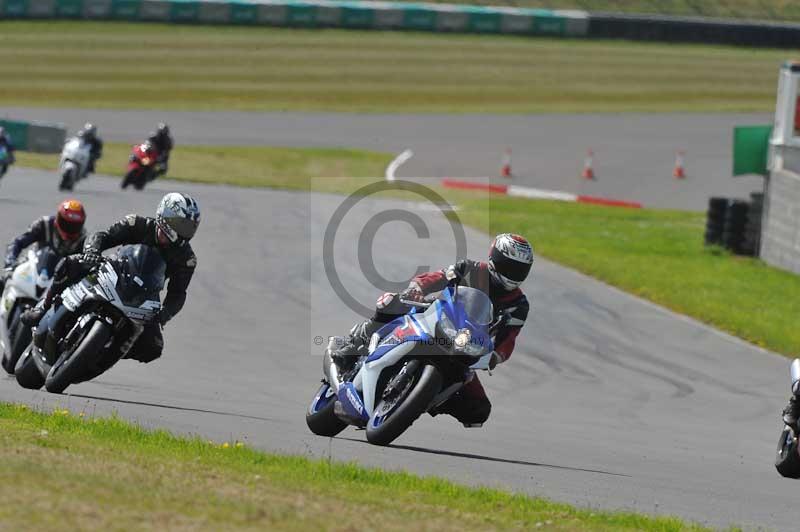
(59, 64)
(658, 255)
(67, 472)
(290, 168)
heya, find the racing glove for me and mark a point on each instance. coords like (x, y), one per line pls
(412, 294)
(91, 258)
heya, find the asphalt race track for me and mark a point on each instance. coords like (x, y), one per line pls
(634, 153)
(608, 402)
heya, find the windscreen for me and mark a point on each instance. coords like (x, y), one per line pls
(477, 304)
(141, 274)
(46, 261)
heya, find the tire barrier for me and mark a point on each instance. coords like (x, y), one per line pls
(735, 224)
(689, 29)
(715, 221)
(35, 136)
(314, 14)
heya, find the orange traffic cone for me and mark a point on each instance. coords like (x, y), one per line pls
(505, 169)
(588, 171)
(679, 172)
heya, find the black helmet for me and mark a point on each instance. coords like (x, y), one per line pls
(162, 129)
(510, 260)
(89, 131)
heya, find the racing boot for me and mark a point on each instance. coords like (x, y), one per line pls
(33, 316)
(792, 412)
(345, 357)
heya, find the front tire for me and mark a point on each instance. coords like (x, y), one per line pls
(67, 179)
(20, 336)
(787, 461)
(320, 417)
(27, 374)
(70, 370)
(385, 426)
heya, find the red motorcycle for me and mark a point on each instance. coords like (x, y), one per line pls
(142, 166)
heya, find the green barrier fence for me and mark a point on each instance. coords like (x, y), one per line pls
(312, 14)
(18, 131)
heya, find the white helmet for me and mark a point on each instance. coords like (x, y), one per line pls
(178, 217)
(510, 260)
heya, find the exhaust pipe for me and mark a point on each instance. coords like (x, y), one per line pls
(796, 376)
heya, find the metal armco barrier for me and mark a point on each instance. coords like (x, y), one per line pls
(35, 136)
(313, 14)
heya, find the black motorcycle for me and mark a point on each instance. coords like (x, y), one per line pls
(96, 323)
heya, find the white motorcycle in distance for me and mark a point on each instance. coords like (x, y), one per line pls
(23, 289)
(74, 164)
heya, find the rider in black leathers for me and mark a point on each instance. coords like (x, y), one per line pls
(89, 134)
(176, 221)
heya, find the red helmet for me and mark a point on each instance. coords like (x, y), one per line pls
(70, 219)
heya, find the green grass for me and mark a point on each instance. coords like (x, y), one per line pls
(658, 255)
(68, 472)
(748, 9)
(147, 66)
(291, 168)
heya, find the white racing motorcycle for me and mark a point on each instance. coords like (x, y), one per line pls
(74, 164)
(31, 277)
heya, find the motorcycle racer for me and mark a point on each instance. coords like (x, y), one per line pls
(5, 141)
(163, 143)
(510, 261)
(89, 134)
(63, 233)
(177, 219)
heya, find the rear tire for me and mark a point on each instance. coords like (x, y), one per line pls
(20, 336)
(27, 374)
(320, 417)
(428, 384)
(787, 461)
(87, 350)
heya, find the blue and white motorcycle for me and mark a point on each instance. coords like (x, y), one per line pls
(413, 365)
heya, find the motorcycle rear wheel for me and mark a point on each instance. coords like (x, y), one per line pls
(70, 370)
(27, 374)
(787, 460)
(320, 417)
(383, 430)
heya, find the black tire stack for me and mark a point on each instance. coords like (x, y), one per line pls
(752, 232)
(715, 221)
(735, 224)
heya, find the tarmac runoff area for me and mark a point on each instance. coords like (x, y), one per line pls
(608, 401)
(633, 161)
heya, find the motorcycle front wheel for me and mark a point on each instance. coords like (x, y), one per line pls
(320, 417)
(787, 461)
(67, 179)
(20, 337)
(393, 415)
(73, 363)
